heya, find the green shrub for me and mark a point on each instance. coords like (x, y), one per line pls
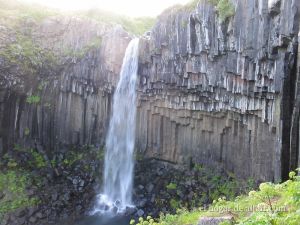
(33, 99)
(175, 204)
(38, 159)
(72, 158)
(225, 8)
(26, 131)
(13, 186)
(272, 204)
(171, 186)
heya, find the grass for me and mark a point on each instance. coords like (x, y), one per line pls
(38, 159)
(271, 204)
(15, 12)
(171, 186)
(13, 185)
(137, 26)
(225, 8)
(24, 53)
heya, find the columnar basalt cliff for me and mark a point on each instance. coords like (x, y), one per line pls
(222, 91)
(61, 93)
(210, 91)
(218, 90)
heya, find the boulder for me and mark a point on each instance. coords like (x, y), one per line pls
(215, 220)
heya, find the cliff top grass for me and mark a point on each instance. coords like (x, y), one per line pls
(224, 8)
(271, 204)
(13, 12)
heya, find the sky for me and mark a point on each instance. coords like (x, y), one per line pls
(133, 8)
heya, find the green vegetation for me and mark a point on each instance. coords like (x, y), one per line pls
(33, 99)
(24, 53)
(38, 159)
(16, 11)
(171, 186)
(175, 204)
(94, 44)
(17, 147)
(72, 158)
(26, 131)
(136, 26)
(272, 204)
(225, 8)
(13, 191)
(20, 11)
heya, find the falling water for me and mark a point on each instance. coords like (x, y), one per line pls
(118, 171)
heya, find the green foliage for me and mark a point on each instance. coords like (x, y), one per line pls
(17, 10)
(148, 221)
(25, 53)
(225, 8)
(272, 204)
(100, 154)
(13, 187)
(33, 99)
(175, 204)
(26, 131)
(72, 158)
(17, 147)
(12, 163)
(38, 159)
(136, 26)
(139, 156)
(95, 43)
(171, 186)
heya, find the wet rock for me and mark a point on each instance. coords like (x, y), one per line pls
(215, 220)
(79, 208)
(149, 187)
(130, 210)
(142, 203)
(140, 213)
(39, 215)
(54, 196)
(32, 219)
(141, 187)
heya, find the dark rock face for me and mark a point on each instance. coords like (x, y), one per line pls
(55, 95)
(163, 187)
(64, 190)
(221, 92)
(74, 93)
(210, 92)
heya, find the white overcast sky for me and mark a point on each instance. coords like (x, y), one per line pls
(133, 8)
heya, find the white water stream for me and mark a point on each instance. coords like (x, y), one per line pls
(119, 162)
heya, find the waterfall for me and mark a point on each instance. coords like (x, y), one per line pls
(119, 162)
